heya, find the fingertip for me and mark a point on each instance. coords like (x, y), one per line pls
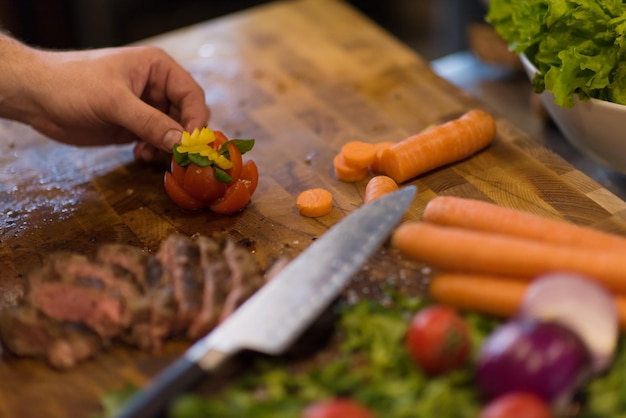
(149, 153)
(199, 121)
(171, 138)
(145, 152)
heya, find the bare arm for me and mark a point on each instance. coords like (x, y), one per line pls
(102, 96)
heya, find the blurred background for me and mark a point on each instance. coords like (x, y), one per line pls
(434, 28)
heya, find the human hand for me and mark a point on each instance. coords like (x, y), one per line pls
(110, 96)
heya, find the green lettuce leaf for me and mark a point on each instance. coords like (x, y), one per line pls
(578, 46)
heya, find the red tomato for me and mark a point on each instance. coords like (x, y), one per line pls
(193, 187)
(337, 408)
(236, 198)
(438, 339)
(518, 405)
(235, 157)
(201, 183)
(250, 175)
(179, 195)
(220, 139)
(178, 172)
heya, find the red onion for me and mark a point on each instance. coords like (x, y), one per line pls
(580, 304)
(527, 355)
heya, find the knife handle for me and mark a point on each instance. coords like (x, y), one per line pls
(176, 379)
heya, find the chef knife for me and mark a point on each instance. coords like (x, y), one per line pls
(278, 313)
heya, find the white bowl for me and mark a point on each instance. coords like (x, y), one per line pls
(595, 127)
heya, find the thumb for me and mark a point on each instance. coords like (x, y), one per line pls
(149, 124)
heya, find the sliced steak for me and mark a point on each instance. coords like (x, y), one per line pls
(142, 266)
(215, 273)
(154, 311)
(27, 332)
(231, 275)
(244, 278)
(180, 261)
(72, 288)
(74, 306)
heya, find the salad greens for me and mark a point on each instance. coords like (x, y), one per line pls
(373, 367)
(578, 46)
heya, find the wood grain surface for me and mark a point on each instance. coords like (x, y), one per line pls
(302, 78)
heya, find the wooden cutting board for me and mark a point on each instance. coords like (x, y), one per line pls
(302, 78)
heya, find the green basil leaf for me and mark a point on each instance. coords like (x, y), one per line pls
(243, 145)
(181, 158)
(200, 160)
(222, 175)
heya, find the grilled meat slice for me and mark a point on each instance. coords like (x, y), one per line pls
(75, 306)
(72, 288)
(215, 273)
(230, 276)
(25, 331)
(180, 261)
(244, 278)
(154, 311)
(139, 265)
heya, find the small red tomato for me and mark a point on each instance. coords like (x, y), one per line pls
(178, 172)
(518, 405)
(220, 139)
(235, 157)
(438, 339)
(337, 408)
(250, 175)
(179, 195)
(201, 183)
(236, 198)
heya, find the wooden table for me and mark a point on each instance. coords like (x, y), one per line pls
(302, 77)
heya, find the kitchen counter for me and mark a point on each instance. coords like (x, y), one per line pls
(301, 77)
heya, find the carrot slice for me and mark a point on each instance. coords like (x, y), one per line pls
(358, 154)
(314, 202)
(379, 147)
(484, 216)
(378, 186)
(441, 145)
(347, 173)
(464, 250)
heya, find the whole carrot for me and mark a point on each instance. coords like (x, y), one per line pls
(487, 294)
(441, 145)
(492, 295)
(485, 216)
(378, 186)
(457, 249)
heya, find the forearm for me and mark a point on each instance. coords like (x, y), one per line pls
(17, 78)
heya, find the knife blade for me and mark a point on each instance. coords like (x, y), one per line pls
(280, 311)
